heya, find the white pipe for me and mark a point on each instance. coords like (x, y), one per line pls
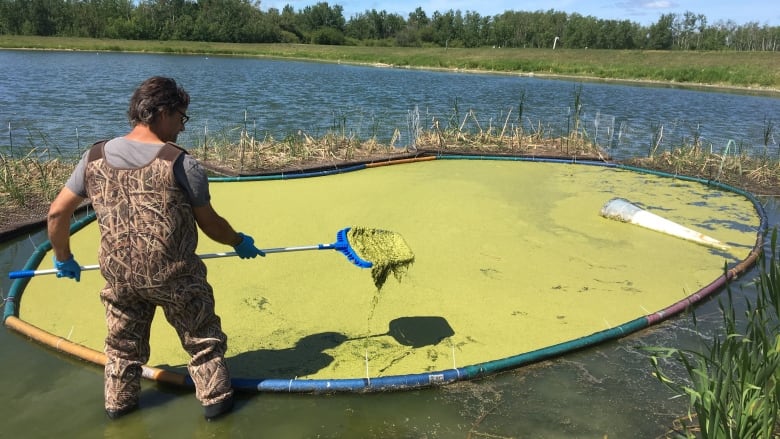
(622, 210)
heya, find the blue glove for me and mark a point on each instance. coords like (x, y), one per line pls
(69, 268)
(246, 248)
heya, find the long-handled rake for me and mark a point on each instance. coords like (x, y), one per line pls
(381, 250)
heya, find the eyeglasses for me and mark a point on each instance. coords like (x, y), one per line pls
(184, 117)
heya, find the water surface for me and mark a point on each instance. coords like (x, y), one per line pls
(67, 100)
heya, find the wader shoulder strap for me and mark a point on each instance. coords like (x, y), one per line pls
(170, 152)
(96, 151)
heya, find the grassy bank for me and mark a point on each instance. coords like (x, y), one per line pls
(753, 70)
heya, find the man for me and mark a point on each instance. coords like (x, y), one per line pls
(150, 197)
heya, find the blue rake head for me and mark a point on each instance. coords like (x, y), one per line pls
(343, 246)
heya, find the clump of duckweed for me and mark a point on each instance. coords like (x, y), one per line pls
(387, 251)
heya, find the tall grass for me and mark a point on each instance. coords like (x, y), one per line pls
(749, 168)
(239, 150)
(733, 384)
(29, 179)
(34, 174)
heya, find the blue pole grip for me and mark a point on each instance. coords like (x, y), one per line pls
(21, 274)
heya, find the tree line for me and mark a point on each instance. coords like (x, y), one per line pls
(243, 21)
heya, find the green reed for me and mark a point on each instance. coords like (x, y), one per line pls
(732, 384)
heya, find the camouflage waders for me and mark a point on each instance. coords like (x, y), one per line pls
(147, 256)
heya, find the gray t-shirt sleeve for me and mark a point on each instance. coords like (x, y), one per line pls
(76, 181)
(193, 179)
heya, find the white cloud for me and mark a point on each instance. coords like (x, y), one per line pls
(658, 5)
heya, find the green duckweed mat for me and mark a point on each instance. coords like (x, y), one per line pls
(509, 257)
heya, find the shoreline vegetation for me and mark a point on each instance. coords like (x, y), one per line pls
(27, 184)
(749, 72)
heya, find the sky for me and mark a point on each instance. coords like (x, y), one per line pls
(644, 12)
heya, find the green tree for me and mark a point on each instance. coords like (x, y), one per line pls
(289, 22)
(379, 24)
(581, 32)
(687, 30)
(231, 21)
(618, 34)
(418, 19)
(360, 27)
(328, 36)
(10, 17)
(713, 38)
(322, 15)
(42, 17)
(660, 35)
(242, 21)
(502, 33)
(476, 29)
(100, 18)
(447, 28)
(547, 26)
(418, 29)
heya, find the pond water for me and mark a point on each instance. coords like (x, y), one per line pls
(64, 101)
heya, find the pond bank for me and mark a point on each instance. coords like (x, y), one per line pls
(748, 72)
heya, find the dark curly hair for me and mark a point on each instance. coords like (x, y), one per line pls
(154, 95)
